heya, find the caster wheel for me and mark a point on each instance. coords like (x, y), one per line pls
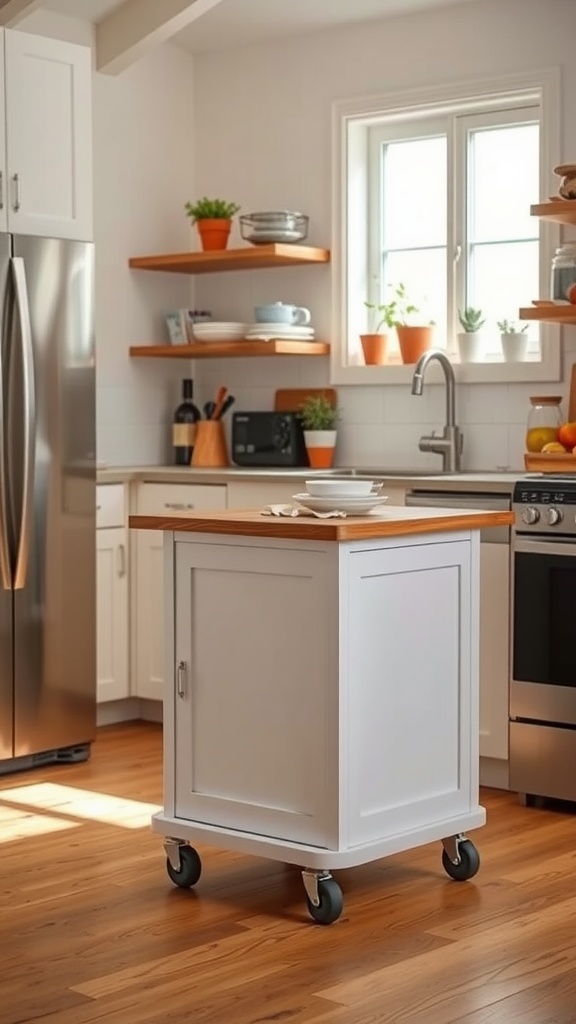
(468, 864)
(190, 868)
(331, 902)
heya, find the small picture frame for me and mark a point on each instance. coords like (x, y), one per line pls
(176, 322)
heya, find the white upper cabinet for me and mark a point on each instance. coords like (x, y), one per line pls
(46, 148)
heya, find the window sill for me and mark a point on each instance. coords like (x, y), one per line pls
(466, 373)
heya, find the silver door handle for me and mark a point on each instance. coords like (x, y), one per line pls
(121, 560)
(5, 567)
(181, 679)
(178, 506)
(16, 204)
(22, 556)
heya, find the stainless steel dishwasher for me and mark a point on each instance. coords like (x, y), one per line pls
(495, 618)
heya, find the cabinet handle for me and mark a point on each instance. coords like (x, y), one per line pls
(121, 559)
(178, 506)
(1, 190)
(181, 678)
(16, 192)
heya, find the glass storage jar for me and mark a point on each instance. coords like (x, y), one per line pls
(563, 273)
(544, 421)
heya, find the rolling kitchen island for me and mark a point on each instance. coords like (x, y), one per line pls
(322, 708)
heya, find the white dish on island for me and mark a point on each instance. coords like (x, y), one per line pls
(357, 506)
(342, 488)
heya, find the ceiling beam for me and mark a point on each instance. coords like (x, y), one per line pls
(13, 11)
(137, 26)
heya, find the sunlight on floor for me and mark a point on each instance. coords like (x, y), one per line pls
(79, 803)
(16, 824)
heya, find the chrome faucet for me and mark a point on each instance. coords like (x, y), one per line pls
(449, 445)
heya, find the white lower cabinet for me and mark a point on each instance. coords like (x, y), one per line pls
(299, 709)
(148, 586)
(112, 602)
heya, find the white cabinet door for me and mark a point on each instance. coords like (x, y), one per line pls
(494, 648)
(48, 190)
(112, 614)
(148, 591)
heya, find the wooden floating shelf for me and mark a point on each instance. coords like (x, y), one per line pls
(563, 211)
(550, 312)
(228, 349)
(550, 462)
(254, 257)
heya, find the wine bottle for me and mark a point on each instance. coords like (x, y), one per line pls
(186, 416)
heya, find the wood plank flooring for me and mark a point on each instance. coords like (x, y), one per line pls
(93, 931)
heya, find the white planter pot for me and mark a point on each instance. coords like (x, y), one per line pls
(470, 348)
(320, 446)
(514, 347)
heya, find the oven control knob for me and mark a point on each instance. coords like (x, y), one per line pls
(530, 515)
(554, 516)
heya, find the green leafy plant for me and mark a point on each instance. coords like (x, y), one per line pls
(404, 309)
(211, 209)
(510, 327)
(471, 320)
(317, 413)
(383, 314)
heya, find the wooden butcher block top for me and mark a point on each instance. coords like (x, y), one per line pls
(395, 521)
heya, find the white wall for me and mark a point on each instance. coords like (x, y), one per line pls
(262, 123)
(143, 161)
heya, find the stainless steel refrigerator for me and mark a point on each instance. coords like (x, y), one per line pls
(47, 501)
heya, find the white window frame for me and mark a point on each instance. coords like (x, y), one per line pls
(352, 120)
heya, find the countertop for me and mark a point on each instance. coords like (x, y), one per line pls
(392, 522)
(479, 481)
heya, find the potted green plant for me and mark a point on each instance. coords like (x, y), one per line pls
(414, 336)
(514, 341)
(213, 219)
(469, 338)
(319, 418)
(375, 343)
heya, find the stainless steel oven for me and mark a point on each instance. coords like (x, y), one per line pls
(543, 676)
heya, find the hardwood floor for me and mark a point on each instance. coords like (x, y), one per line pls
(92, 930)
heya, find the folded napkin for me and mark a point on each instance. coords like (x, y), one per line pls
(299, 510)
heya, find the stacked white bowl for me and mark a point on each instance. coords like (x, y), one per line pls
(220, 330)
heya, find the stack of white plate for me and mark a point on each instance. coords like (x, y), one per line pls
(356, 497)
(358, 506)
(220, 330)
(291, 332)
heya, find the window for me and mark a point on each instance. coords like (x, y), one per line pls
(435, 193)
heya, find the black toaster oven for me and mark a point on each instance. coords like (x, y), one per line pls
(268, 439)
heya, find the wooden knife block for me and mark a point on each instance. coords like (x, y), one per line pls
(210, 447)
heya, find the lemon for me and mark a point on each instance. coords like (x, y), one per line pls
(554, 446)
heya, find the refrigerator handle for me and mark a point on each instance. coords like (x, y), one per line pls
(24, 532)
(5, 565)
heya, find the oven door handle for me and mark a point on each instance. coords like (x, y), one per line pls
(545, 547)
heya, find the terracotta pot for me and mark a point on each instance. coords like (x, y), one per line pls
(374, 347)
(414, 341)
(320, 447)
(214, 234)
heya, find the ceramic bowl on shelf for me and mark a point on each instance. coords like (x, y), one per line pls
(220, 331)
(274, 226)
